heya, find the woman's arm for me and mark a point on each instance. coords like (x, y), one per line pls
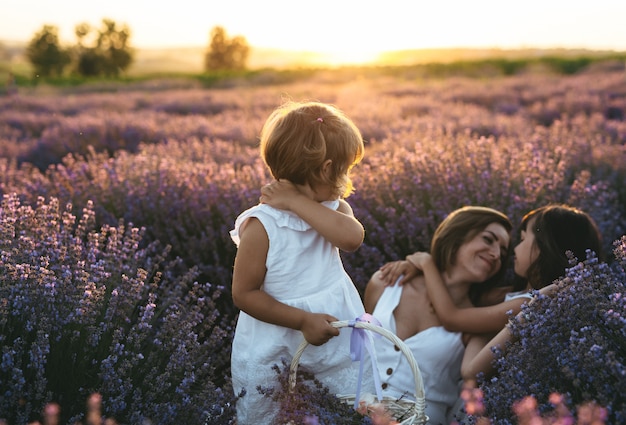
(338, 227)
(248, 276)
(473, 319)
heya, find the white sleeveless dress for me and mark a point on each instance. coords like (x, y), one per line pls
(438, 353)
(304, 271)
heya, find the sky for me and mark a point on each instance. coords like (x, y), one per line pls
(350, 27)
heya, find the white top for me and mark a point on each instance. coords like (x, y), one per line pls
(305, 271)
(519, 294)
(438, 354)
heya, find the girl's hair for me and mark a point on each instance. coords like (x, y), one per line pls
(460, 227)
(557, 230)
(298, 138)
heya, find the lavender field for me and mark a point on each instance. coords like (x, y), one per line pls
(117, 202)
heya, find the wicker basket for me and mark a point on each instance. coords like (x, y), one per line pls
(407, 412)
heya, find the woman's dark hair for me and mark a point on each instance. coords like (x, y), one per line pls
(459, 227)
(559, 229)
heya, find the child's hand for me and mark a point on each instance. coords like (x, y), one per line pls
(317, 329)
(419, 260)
(390, 272)
(279, 194)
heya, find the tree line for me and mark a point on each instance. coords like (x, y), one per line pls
(107, 51)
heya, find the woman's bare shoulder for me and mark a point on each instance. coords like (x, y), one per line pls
(373, 291)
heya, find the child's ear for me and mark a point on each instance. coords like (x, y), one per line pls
(326, 167)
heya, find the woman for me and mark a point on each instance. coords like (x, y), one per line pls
(469, 248)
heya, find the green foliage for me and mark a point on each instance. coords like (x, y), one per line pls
(506, 66)
(226, 53)
(46, 54)
(107, 54)
(110, 53)
(567, 66)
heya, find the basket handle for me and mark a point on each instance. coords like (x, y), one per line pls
(419, 384)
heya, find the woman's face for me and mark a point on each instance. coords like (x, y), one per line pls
(481, 257)
(526, 252)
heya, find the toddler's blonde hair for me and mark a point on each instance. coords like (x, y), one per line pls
(298, 137)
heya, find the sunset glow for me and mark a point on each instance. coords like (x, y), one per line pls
(349, 31)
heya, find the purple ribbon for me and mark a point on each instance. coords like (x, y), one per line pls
(358, 340)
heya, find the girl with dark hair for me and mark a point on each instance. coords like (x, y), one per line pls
(549, 236)
(552, 231)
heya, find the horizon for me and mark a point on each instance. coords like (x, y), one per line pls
(190, 59)
(352, 31)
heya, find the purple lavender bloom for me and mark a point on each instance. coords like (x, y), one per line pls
(572, 343)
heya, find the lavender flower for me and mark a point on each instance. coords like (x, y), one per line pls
(572, 343)
(180, 161)
(82, 311)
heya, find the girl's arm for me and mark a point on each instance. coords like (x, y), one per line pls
(248, 276)
(473, 348)
(339, 227)
(473, 319)
(483, 361)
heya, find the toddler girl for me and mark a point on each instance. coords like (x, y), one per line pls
(288, 278)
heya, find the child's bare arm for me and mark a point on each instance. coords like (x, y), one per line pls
(473, 319)
(475, 344)
(483, 361)
(248, 275)
(339, 227)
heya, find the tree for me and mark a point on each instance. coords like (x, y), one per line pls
(45, 53)
(226, 53)
(110, 52)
